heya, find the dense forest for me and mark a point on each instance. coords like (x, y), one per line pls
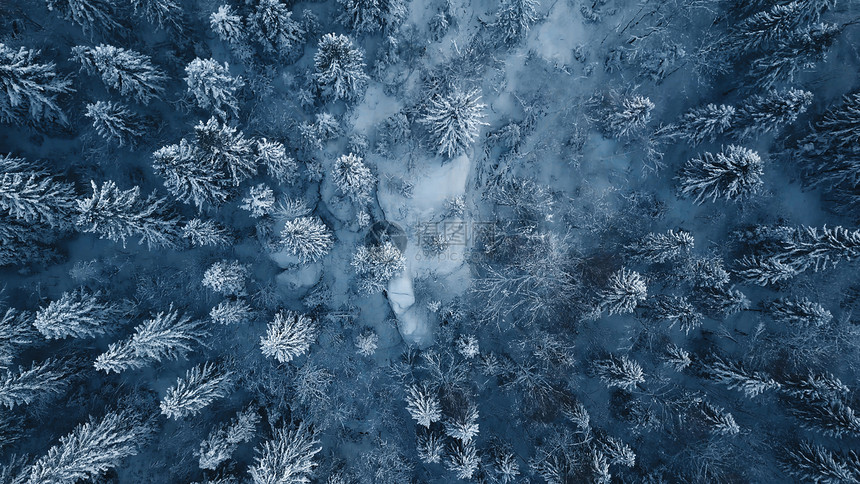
(429, 241)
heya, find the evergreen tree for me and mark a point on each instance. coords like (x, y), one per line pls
(223, 441)
(616, 451)
(764, 270)
(205, 233)
(766, 29)
(91, 449)
(116, 215)
(27, 385)
(30, 87)
(279, 165)
(339, 67)
(702, 124)
(353, 178)
(79, 314)
(731, 174)
(431, 446)
(202, 385)
(188, 179)
(660, 248)
(275, 28)
(630, 117)
(463, 459)
(260, 201)
(115, 123)
(226, 277)
(504, 465)
(799, 311)
(289, 336)
(675, 310)
(423, 405)
(620, 372)
(231, 312)
(721, 301)
(31, 195)
(770, 113)
(212, 86)
(167, 14)
(815, 387)
(16, 332)
(90, 15)
(371, 16)
(623, 292)
(832, 417)
(805, 47)
(129, 72)
(225, 148)
(287, 458)
(814, 463)
(307, 237)
(376, 265)
(168, 335)
(227, 25)
(831, 149)
(454, 121)
(514, 18)
(735, 376)
(676, 357)
(813, 248)
(719, 421)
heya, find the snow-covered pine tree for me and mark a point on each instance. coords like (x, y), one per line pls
(273, 25)
(225, 149)
(223, 441)
(205, 233)
(29, 89)
(770, 113)
(830, 150)
(732, 174)
(202, 385)
(504, 465)
(623, 292)
(287, 458)
(288, 336)
(189, 179)
(423, 405)
(16, 332)
(767, 28)
(115, 123)
(804, 48)
(168, 335)
(167, 14)
(616, 451)
(228, 25)
(453, 121)
(764, 270)
(675, 310)
(90, 15)
(29, 194)
(659, 248)
(431, 446)
(27, 385)
(832, 417)
(818, 248)
(630, 117)
(514, 18)
(810, 462)
(117, 215)
(353, 178)
(79, 314)
(705, 272)
(815, 387)
(371, 16)
(718, 420)
(129, 72)
(230, 312)
(260, 201)
(91, 449)
(339, 67)
(366, 343)
(621, 372)
(463, 459)
(308, 238)
(376, 265)
(702, 124)
(676, 357)
(212, 86)
(799, 311)
(279, 165)
(721, 301)
(736, 376)
(226, 277)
